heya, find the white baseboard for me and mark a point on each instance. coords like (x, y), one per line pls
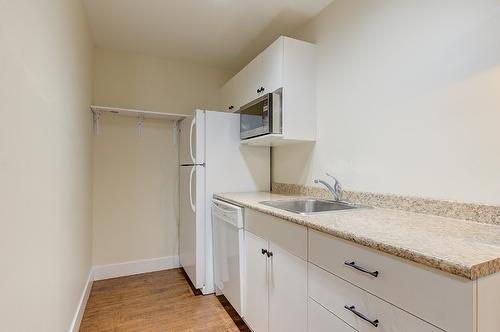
(135, 267)
(77, 319)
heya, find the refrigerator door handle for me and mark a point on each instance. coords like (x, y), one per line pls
(193, 206)
(191, 140)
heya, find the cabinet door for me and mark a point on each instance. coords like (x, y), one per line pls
(287, 291)
(227, 96)
(256, 294)
(253, 79)
(272, 67)
(239, 90)
(232, 93)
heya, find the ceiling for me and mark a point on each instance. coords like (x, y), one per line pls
(220, 33)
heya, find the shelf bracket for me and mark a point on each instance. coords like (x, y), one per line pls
(140, 125)
(96, 115)
(175, 132)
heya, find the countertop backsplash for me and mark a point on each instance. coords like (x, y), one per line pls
(488, 214)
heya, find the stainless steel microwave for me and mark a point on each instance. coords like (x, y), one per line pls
(262, 116)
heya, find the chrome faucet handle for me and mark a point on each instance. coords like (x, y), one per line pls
(336, 190)
(337, 183)
(337, 187)
(333, 177)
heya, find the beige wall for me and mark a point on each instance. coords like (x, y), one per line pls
(145, 82)
(408, 97)
(45, 163)
(135, 191)
(135, 179)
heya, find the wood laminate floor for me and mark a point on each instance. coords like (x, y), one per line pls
(157, 301)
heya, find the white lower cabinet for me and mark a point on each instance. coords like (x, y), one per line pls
(287, 291)
(437, 297)
(256, 303)
(321, 320)
(359, 308)
(276, 287)
(302, 280)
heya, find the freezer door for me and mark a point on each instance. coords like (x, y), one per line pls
(192, 223)
(192, 139)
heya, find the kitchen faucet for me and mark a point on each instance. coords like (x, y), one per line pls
(336, 190)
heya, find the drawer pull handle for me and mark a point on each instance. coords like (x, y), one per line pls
(360, 315)
(362, 269)
(264, 252)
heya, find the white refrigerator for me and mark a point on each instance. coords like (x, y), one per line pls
(212, 160)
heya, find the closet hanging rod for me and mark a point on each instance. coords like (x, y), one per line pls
(103, 110)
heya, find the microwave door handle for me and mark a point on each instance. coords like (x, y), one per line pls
(266, 119)
(265, 111)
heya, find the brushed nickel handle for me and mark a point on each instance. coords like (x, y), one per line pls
(352, 309)
(362, 269)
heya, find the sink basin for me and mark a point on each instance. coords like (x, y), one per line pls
(310, 205)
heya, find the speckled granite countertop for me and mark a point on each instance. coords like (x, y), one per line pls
(463, 248)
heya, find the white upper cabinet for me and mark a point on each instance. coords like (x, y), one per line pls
(253, 74)
(232, 92)
(287, 64)
(272, 67)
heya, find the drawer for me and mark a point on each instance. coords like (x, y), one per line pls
(322, 320)
(288, 235)
(440, 298)
(335, 294)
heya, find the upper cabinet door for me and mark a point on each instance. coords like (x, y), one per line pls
(239, 83)
(252, 75)
(272, 66)
(232, 93)
(227, 96)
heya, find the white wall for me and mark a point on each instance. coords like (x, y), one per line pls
(135, 179)
(408, 99)
(45, 163)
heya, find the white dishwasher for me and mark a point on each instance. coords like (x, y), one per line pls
(229, 246)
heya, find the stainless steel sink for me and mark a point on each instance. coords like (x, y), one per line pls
(310, 205)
